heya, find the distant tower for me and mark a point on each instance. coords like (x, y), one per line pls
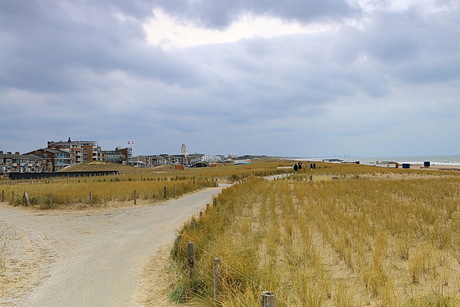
(183, 150)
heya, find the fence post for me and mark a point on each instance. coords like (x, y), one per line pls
(90, 198)
(51, 198)
(191, 259)
(175, 194)
(135, 197)
(216, 270)
(12, 197)
(25, 199)
(165, 192)
(3, 196)
(267, 299)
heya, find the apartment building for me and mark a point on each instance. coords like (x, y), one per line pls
(119, 155)
(17, 163)
(80, 151)
(53, 159)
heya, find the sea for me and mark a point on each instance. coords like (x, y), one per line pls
(413, 160)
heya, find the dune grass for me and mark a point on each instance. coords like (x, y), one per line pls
(347, 242)
(144, 184)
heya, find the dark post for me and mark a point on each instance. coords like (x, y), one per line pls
(3, 195)
(191, 258)
(165, 193)
(51, 198)
(135, 197)
(90, 198)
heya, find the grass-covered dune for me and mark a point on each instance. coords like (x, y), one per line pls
(372, 237)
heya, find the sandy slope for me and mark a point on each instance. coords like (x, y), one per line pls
(91, 258)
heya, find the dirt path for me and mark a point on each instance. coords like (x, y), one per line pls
(86, 258)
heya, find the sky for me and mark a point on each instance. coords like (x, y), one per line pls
(289, 78)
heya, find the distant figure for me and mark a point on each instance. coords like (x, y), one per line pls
(295, 167)
(314, 165)
(300, 166)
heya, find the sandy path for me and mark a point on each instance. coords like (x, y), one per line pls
(90, 258)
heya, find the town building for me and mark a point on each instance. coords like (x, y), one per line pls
(80, 151)
(119, 155)
(53, 160)
(166, 159)
(17, 163)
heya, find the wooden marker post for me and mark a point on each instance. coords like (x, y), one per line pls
(267, 299)
(191, 259)
(25, 199)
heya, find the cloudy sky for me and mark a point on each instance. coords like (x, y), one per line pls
(274, 77)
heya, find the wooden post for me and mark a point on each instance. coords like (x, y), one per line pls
(216, 270)
(90, 198)
(191, 259)
(12, 196)
(3, 196)
(165, 193)
(135, 197)
(267, 299)
(201, 213)
(51, 198)
(25, 199)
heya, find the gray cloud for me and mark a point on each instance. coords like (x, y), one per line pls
(220, 13)
(45, 45)
(83, 69)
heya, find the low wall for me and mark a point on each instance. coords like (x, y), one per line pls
(18, 176)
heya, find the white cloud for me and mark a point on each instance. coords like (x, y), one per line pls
(168, 32)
